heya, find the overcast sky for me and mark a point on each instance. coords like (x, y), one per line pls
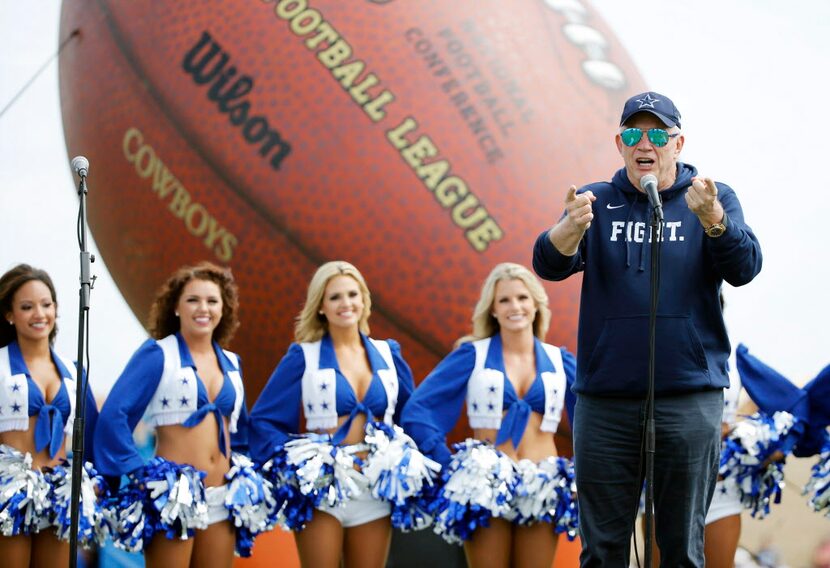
(749, 77)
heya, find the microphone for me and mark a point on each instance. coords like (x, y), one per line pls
(649, 184)
(81, 166)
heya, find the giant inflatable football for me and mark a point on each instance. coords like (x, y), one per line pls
(424, 141)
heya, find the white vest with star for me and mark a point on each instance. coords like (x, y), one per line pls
(319, 387)
(176, 397)
(485, 390)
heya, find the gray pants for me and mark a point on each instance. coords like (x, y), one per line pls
(607, 442)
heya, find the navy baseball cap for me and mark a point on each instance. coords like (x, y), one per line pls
(659, 105)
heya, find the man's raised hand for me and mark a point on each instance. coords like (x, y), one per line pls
(580, 211)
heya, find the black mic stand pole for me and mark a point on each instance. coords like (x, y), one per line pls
(656, 238)
(80, 391)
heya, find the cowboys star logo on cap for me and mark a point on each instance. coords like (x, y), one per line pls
(654, 103)
(647, 101)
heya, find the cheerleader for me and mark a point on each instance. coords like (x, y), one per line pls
(506, 494)
(791, 419)
(197, 500)
(723, 519)
(37, 408)
(335, 395)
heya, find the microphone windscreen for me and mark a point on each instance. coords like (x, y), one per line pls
(648, 179)
(80, 165)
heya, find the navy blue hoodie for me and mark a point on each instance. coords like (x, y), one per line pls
(692, 346)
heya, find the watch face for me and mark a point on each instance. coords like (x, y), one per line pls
(716, 230)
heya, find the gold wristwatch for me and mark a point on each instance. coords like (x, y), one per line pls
(717, 229)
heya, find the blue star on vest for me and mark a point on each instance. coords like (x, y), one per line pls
(15, 407)
(16, 387)
(310, 407)
(492, 389)
(475, 405)
(325, 405)
(324, 386)
(647, 101)
(183, 400)
(184, 380)
(490, 406)
(165, 402)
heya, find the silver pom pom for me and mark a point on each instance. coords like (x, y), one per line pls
(24, 494)
(184, 502)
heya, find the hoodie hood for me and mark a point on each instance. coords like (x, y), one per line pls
(683, 179)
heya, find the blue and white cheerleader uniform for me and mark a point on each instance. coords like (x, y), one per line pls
(33, 500)
(479, 481)
(809, 407)
(312, 470)
(161, 384)
(784, 423)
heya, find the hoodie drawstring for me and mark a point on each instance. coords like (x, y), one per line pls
(643, 247)
(632, 199)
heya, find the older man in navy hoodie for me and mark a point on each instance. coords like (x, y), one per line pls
(605, 233)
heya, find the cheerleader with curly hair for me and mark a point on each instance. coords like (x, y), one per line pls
(198, 500)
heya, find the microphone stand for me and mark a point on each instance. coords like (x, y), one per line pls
(82, 383)
(656, 239)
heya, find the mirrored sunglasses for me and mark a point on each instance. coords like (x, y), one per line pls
(657, 136)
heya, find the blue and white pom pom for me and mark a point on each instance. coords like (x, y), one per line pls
(546, 493)
(479, 484)
(92, 525)
(162, 496)
(750, 444)
(24, 494)
(292, 509)
(819, 484)
(309, 471)
(399, 473)
(250, 501)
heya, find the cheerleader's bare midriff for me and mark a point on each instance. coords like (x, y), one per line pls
(196, 446)
(24, 442)
(535, 445)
